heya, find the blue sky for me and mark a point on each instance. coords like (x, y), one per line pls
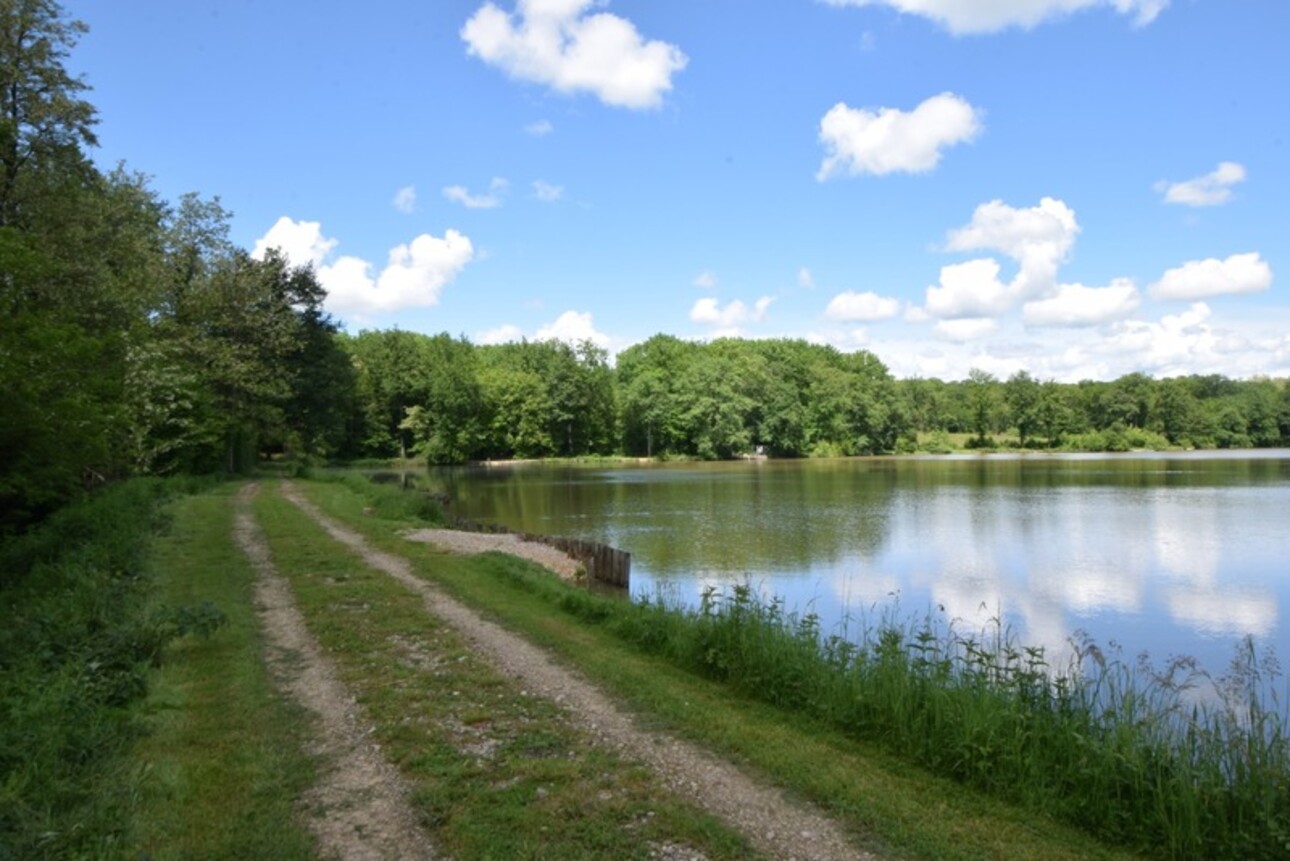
(1078, 188)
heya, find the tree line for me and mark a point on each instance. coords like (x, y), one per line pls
(450, 401)
(136, 338)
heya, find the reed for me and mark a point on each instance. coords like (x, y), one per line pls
(1128, 751)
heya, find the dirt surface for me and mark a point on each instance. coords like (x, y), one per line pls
(470, 543)
(358, 809)
(773, 823)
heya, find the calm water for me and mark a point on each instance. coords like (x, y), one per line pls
(1172, 554)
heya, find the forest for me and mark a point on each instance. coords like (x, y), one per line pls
(136, 339)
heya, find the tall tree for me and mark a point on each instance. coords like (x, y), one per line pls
(982, 390)
(43, 119)
(1023, 395)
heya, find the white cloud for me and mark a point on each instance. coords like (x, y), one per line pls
(705, 280)
(970, 289)
(405, 199)
(459, 194)
(539, 129)
(573, 328)
(966, 329)
(1202, 279)
(566, 46)
(709, 312)
(1179, 343)
(501, 335)
(989, 16)
(863, 307)
(1038, 238)
(1077, 305)
(547, 192)
(301, 241)
(889, 140)
(805, 279)
(845, 340)
(413, 277)
(415, 273)
(1211, 189)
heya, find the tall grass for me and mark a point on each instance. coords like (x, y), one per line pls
(77, 636)
(389, 501)
(1121, 749)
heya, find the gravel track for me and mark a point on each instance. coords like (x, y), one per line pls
(773, 823)
(470, 543)
(359, 808)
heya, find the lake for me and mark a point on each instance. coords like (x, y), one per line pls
(1173, 554)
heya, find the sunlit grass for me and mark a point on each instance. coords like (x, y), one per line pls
(493, 771)
(1123, 750)
(223, 762)
(895, 807)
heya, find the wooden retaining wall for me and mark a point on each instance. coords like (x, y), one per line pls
(604, 564)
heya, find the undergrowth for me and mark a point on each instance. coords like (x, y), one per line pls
(77, 638)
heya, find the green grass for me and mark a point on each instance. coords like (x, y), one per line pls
(77, 638)
(494, 772)
(892, 805)
(218, 772)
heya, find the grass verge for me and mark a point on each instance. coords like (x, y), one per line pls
(897, 808)
(494, 772)
(77, 638)
(217, 774)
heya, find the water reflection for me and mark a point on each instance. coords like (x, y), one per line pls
(1169, 553)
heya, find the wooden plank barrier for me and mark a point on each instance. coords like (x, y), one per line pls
(605, 565)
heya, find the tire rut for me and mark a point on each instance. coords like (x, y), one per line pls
(773, 823)
(358, 809)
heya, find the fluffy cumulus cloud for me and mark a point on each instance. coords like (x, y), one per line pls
(805, 279)
(888, 140)
(301, 241)
(974, 301)
(573, 327)
(1038, 238)
(503, 334)
(867, 307)
(1212, 189)
(565, 45)
(417, 271)
(1077, 305)
(1202, 279)
(970, 289)
(488, 200)
(735, 313)
(405, 199)
(988, 16)
(1178, 343)
(414, 275)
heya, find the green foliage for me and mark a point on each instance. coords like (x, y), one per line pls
(77, 640)
(43, 120)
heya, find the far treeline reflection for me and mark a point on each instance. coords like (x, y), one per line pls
(1178, 553)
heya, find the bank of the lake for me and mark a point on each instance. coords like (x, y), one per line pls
(1175, 554)
(990, 763)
